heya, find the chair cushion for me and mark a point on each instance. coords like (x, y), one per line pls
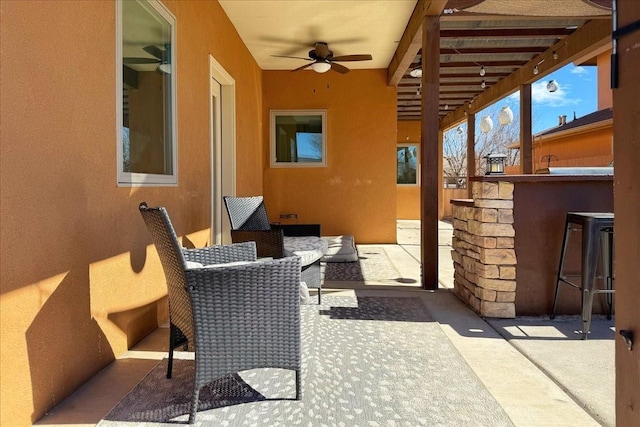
(194, 264)
(341, 249)
(308, 248)
(304, 293)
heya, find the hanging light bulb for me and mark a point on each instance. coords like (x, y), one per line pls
(483, 84)
(446, 106)
(535, 70)
(486, 124)
(552, 86)
(555, 55)
(505, 116)
(482, 71)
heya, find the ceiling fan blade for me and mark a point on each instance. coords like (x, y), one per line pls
(322, 50)
(292, 57)
(303, 67)
(339, 68)
(140, 61)
(154, 50)
(352, 58)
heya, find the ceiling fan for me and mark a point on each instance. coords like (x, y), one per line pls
(162, 57)
(323, 60)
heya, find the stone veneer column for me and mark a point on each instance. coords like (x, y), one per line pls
(483, 252)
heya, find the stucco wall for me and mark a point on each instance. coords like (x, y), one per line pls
(79, 282)
(356, 193)
(594, 148)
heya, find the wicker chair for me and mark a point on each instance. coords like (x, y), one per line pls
(238, 316)
(249, 223)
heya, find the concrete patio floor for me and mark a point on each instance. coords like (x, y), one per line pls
(538, 370)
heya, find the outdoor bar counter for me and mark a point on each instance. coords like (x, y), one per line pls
(507, 241)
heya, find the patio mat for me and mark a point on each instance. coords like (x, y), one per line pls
(158, 399)
(366, 361)
(373, 264)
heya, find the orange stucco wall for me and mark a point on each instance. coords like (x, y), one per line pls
(79, 283)
(605, 94)
(356, 193)
(408, 197)
(593, 148)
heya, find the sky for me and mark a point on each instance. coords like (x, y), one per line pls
(577, 93)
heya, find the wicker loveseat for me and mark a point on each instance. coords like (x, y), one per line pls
(249, 223)
(227, 305)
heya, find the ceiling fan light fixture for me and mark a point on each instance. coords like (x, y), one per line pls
(321, 66)
(164, 68)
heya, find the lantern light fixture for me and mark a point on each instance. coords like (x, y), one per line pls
(495, 163)
(505, 116)
(486, 124)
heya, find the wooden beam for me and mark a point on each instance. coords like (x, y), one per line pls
(626, 153)
(430, 151)
(526, 138)
(471, 152)
(492, 50)
(505, 33)
(589, 37)
(411, 40)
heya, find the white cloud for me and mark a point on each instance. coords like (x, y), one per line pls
(559, 98)
(578, 70)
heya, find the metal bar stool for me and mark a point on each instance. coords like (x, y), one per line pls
(597, 233)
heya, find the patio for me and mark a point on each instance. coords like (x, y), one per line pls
(449, 378)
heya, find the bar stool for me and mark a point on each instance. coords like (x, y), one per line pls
(597, 233)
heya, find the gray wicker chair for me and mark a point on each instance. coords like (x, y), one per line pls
(235, 317)
(249, 223)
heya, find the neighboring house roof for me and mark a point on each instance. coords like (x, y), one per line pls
(589, 119)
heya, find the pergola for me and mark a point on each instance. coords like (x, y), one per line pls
(471, 54)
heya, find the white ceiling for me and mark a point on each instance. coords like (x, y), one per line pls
(291, 27)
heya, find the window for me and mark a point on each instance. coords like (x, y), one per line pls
(408, 164)
(147, 147)
(298, 138)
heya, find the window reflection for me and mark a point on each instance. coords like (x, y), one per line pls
(147, 110)
(298, 137)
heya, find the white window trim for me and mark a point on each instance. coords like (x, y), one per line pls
(272, 138)
(130, 179)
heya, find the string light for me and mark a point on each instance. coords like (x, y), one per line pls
(482, 71)
(555, 55)
(483, 84)
(535, 70)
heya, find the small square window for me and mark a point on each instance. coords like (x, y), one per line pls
(298, 138)
(147, 143)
